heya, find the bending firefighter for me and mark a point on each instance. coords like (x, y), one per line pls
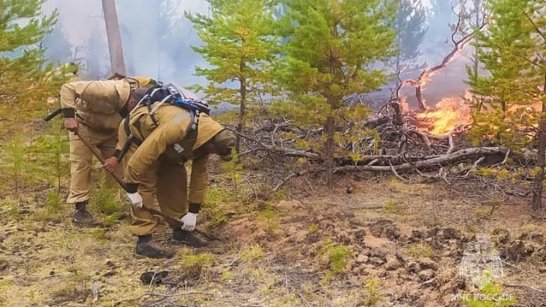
(93, 111)
(162, 137)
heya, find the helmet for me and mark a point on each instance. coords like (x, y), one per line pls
(224, 142)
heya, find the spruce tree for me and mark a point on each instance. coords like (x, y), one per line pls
(329, 52)
(513, 51)
(26, 80)
(410, 24)
(239, 46)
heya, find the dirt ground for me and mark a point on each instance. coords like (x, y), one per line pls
(373, 242)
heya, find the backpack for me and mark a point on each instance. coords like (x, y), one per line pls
(156, 96)
(173, 95)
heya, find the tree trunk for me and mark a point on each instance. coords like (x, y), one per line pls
(329, 149)
(477, 6)
(541, 160)
(114, 37)
(419, 96)
(241, 124)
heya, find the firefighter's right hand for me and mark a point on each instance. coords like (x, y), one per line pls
(71, 124)
(110, 164)
(134, 199)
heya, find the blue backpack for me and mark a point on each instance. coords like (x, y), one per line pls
(158, 95)
(173, 95)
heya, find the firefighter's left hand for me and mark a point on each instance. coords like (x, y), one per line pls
(189, 221)
(110, 164)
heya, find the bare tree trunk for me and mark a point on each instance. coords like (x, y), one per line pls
(541, 160)
(477, 6)
(419, 96)
(114, 37)
(242, 106)
(329, 150)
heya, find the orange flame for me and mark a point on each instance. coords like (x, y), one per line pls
(448, 114)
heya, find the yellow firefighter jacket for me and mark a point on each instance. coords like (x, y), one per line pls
(174, 140)
(97, 103)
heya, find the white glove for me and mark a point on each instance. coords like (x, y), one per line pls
(189, 221)
(134, 199)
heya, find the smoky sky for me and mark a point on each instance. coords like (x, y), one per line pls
(155, 34)
(157, 37)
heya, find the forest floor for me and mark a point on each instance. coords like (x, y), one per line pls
(382, 242)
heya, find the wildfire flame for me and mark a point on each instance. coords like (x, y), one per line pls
(448, 114)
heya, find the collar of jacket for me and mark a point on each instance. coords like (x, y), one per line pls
(206, 130)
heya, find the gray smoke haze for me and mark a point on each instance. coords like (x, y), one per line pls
(155, 34)
(448, 81)
(157, 38)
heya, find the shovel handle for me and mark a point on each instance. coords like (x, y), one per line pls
(98, 156)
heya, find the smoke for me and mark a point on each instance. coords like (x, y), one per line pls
(155, 34)
(449, 81)
(157, 41)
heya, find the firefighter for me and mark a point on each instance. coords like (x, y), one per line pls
(93, 110)
(161, 144)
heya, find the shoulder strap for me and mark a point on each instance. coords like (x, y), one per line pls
(194, 122)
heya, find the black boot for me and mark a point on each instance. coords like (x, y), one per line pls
(188, 238)
(146, 247)
(82, 217)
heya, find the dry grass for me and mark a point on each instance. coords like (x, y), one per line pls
(51, 262)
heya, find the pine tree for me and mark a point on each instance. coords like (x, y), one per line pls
(239, 46)
(411, 28)
(476, 15)
(513, 50)
(329, 51)
(440, 22)
(25, 77)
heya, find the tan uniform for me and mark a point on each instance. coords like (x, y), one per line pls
(157, 166)
(96, 106)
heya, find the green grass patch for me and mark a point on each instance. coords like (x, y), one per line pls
(373, 295)
(52, 208)
(202, 260)
(337, 257)
(108, 203)
(214, 210)
(392, 207)
(10, 207)
(252, 252)
(419, 250)
(227, 276)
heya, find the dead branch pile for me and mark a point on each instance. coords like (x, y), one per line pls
(400, 148)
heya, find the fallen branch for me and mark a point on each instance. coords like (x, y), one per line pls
(451, 144)
(296, 174)
(285, 151)
(396, 174)
(428, 163)
(424, 137)
(314, 156)
(475, 165)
